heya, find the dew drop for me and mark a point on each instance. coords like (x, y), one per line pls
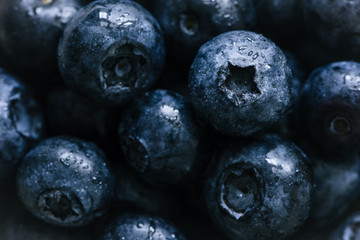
(241, 48)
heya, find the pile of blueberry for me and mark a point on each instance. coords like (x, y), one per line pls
(179, 119)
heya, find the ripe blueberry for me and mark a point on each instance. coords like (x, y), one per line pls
(162, 139)
(240, 83)
(65, 181)
(329, 105)
(259, 189)
(111, 51)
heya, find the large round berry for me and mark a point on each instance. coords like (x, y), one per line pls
(260, 189)
(65, 181)
(240, 83)
(111, 51)
(329, 105)
(162, 139)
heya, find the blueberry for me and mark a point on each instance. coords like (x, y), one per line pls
(136, 226)
(259, 189)
(329, 106)
(111, 51)
(21, 123)
(162, 139)
(335, 23)
(187, 24)
(240, 83)
(65, 181)
(30, 31)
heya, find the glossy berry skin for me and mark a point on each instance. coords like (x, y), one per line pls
(137, 226)
(21, 123)
(161, 138)
(111, 51)
(187, 24)
(65, 181)
(240, 83)
(336, 24)
(259, 189)
(329, 105)
(31, 29)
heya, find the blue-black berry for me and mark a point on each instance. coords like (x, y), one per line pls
(240, 83)
(329, 105)
(111, 51)
(259, 189)
(162, 139)
(65, 181)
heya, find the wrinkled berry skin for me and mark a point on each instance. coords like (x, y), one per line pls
(136, 226)
(161, 138)
(111, 51)
(31, 29)
(187, 24)
(65, 181)
(240, 83)
(336, 24)
(21, 123)
(259, 189)
(329, 105)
